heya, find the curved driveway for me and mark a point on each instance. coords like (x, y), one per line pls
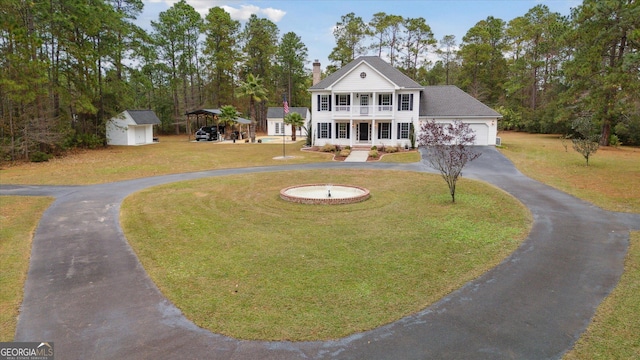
(87, 292)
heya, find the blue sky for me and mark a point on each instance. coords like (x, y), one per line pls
(313, 20)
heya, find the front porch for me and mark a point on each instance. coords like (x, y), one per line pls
(366, 133)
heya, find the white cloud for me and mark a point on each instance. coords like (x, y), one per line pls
(274, 15)
(245, 11)
(242, 13)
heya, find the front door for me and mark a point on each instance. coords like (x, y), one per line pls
(364, 104)
(363, 132)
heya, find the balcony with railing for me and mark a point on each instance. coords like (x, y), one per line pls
(372, 111)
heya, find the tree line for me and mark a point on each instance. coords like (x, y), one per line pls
(542, 71)
(67, 66)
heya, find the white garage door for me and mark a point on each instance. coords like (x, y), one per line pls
(140, 134)
(482, 133)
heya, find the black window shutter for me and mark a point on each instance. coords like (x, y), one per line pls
(379, 99)
(329, 103)
(349, 99)
(318, 133)
(348, 131)
(379, 130)
(411, 103)
(319, 105)
(337, 127)
(329, 130)
(399, 102)
(398, 134)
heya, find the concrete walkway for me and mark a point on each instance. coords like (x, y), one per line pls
(357, 156)
(87, 292)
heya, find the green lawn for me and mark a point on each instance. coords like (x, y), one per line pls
(238, 260)
(19, 217)
(172, 155)
(611, 180)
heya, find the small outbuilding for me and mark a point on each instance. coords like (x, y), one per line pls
(132, 127)
(276, 125)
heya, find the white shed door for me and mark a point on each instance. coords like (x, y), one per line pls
(482, 133)
(140, 134)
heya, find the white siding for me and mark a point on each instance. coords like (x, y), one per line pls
(122, 130)
(485, 129)
(117, 132)
(372, 82)
(273, 125)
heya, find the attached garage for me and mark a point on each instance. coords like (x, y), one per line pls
(445, 104)
(132, 127)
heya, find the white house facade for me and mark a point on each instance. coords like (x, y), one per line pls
(370, 103)
(276, 125)
(132, 127)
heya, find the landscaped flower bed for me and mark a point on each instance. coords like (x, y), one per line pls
(376, 152)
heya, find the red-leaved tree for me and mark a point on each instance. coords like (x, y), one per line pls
(448, 148)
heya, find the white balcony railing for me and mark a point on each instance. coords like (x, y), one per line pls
(362, 110)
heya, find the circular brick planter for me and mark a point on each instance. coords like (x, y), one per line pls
(319, 194)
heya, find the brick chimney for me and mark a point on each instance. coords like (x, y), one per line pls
(316, 72)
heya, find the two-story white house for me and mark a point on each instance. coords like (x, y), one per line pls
(368, 102)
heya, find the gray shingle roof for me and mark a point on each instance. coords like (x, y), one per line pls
(449, 100)
(144, 117)
(388, 71)
(278, 112)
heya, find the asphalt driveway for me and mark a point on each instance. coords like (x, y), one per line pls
(87, 292)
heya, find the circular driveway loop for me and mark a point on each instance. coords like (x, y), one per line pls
(87, 292)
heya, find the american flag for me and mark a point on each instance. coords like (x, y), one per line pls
(286, 106)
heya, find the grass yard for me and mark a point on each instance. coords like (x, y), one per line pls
(238, 260)
(611, 181)
(19, 218)
(402, 157)
(172, 155)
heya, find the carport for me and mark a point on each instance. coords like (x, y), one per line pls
(209, 117)
(203, 117)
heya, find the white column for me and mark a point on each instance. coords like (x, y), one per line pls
(373, 132)
(351, 132)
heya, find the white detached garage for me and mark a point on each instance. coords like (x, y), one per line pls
(132, 127)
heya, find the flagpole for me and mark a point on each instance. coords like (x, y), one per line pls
(285, 109)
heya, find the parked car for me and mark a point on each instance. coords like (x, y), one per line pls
(209, 133)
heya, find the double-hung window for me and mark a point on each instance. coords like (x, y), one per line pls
(405, 102)
(324, 102)
(343, 102)
(342, 130)
(403, 130)
(384, 102)
(324, 130)
(384, 131)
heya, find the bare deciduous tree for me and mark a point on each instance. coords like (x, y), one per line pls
(448, 149)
